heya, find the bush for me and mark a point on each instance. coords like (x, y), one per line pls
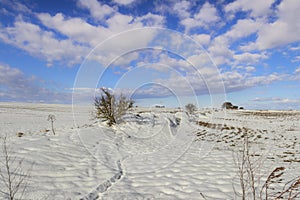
(111, 109)
(190, 108)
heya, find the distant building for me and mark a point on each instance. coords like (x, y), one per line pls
(159, 106)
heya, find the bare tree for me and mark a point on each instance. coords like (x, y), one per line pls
(111, 109)
(52, 118)
(13, 178)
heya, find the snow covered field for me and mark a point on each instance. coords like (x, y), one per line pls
(155, 154)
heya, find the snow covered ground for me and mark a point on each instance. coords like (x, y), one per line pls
(154, 154)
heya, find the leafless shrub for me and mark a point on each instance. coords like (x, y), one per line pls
(12, 177)
(190, 108)
(52, 118)
(110, 108)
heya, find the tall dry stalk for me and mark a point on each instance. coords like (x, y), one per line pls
(248, 169)
(249, 177)
(52, 118)
(12, 177)
(290, 191)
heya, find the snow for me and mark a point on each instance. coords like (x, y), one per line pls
(156, 153)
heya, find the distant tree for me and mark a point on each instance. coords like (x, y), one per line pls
(111, 109)
(190, 108)
(234, 107)
(241, 108)
(227, 105)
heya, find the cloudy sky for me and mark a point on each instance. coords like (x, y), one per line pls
(243, 51)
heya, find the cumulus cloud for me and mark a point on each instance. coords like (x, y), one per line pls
(206, 17)
(242, 29)
(87, 33)
(257, 8)
(220, 51)
(93, 34)
(231, 81)
(98, 11)
(16, 86)
(124, 2)
(71, 49)
(59, 37)
(150, 19)
(224, 51)
(14, 6)
(249, 58)
(41, 43)
(285, 30)
(202, 39)
(182, 8)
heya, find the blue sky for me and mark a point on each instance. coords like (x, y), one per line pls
(159, 52)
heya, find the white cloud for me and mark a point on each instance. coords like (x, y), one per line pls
(296, 75)
(119, 22)
(16, 86)
(249, 58)
(257, 8)
(250, 69)
(98, 11)
(277, 100)
(202, 39)
(247, 69)
(81, 35)
(285, 30)
(150, 19)
(220, 51)
(206, 81)
(121, 44)
(206, 17)
(40, 43)
(14, 6)
(235, 81)
(124, 2)
(91, 34)
(207, 14)
(276, 103)
(296, 59)
(220, 48)
(243, 28)
(182, 9)
(295, 48)
(87, 33)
